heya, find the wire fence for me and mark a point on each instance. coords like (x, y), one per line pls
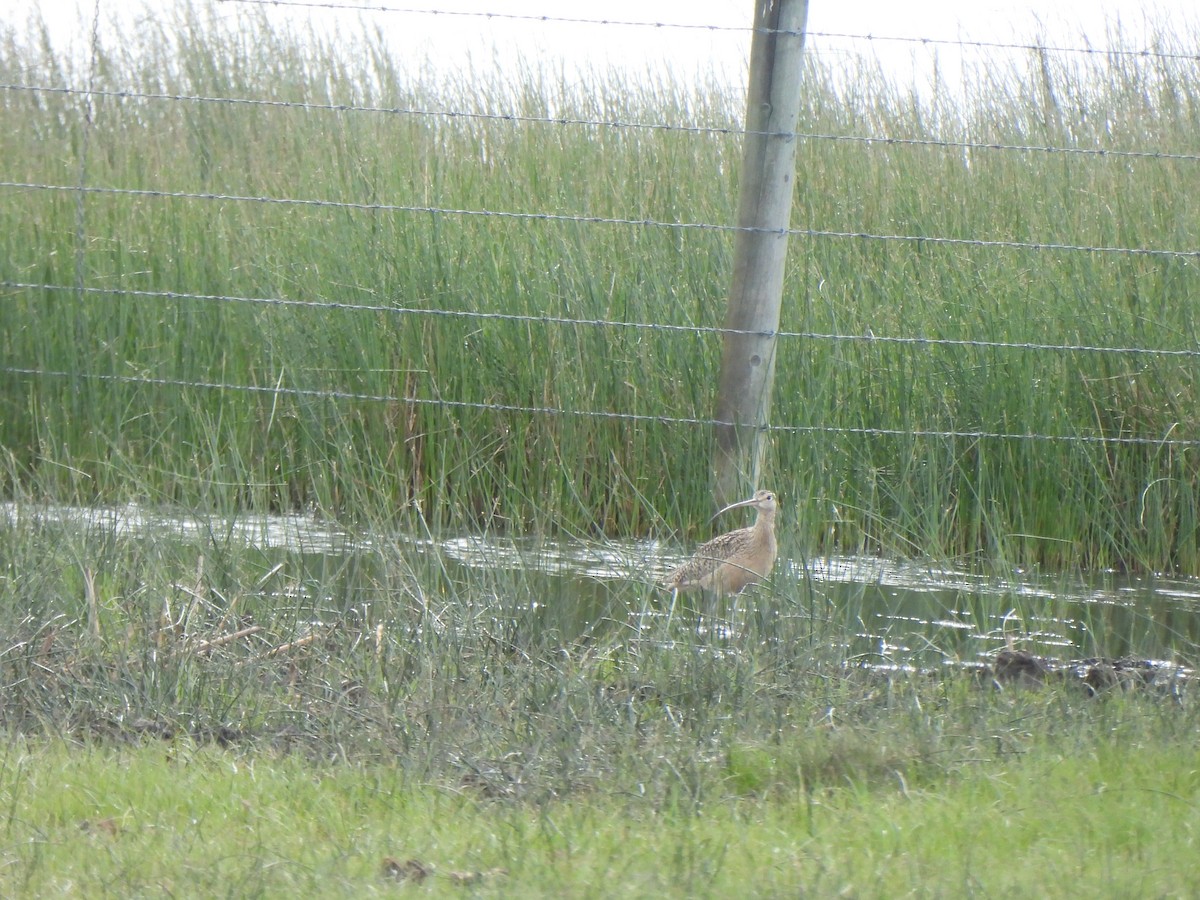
(516, 118)
(929, 240)
(1144, 52)
(88, 94)
(1164, 441)
(418, 311)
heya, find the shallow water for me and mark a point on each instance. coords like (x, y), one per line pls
(885, 613)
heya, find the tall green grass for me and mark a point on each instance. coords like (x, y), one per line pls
(859, 472)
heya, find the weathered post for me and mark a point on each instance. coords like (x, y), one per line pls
(764, 214)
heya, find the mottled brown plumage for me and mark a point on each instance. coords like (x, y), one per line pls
(730, 562)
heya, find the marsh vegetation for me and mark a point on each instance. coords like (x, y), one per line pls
(344, 430)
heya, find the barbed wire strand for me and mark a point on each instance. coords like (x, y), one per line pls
(920, 240)
(597, 414)
(514, 118)
(692, 26)
(698, 330)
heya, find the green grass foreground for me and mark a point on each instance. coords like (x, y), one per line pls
(308, 332)
(1102, 815)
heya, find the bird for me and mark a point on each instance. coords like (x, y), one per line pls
(730, 562)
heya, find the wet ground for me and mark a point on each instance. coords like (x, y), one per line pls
(887, 615)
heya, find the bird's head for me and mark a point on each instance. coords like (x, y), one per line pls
(763, 501)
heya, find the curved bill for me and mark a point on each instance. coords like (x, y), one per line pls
(751, 502)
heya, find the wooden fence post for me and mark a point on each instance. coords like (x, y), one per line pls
(764, 214)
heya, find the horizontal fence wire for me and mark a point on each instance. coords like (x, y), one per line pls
(920, 240)
(90, 94)
(514, 118)
(321, 394)
(418, 311)
(1146, 52)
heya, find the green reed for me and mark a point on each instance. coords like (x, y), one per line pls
(370, 413)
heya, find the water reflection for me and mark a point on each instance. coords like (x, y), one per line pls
(882, 613)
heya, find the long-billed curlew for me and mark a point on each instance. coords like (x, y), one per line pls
(729, 562)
